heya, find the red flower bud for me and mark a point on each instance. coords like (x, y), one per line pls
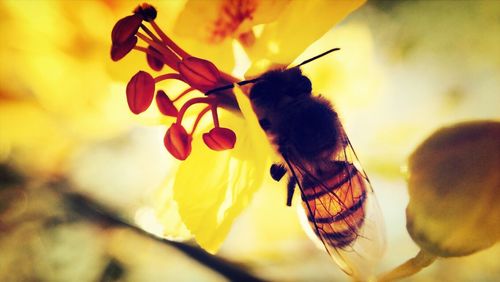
(146, 12)
(219, 139)
(178, 142)
(119, 50)
(125, 28)
(200, 74)
(153, 61)
(165, 105)
(140, 92)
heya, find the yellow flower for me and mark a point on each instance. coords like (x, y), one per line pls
(271, 32)
(211, 188)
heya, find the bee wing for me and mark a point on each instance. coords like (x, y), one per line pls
(342, 210)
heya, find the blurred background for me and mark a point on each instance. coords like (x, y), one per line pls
(70, 147)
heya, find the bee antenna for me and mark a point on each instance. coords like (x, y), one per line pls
(244, 82)
(230, 86)
(317, 57)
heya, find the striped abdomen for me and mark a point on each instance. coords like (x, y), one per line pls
(335, 203)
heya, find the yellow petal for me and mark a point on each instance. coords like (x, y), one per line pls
(299, 25)
(206, 28)
(167, 213)
(212, 188)
(193, 30)
(257, 135)
(215, 21)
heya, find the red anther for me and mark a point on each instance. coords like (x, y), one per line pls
(219, 139)
(125, 28)
(153, 60)
(165, 105)
(146, 12)
(178, 142)
(140, 92)
(198, 73)
(119, 50)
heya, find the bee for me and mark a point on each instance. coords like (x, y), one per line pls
(318, 158)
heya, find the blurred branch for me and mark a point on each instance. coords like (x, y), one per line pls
(92, 211)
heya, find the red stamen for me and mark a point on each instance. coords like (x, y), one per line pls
(119, 50)
(168, 76)
(150, 33)
(152, 58)
(215, 116)
(178, 142)
(165, 105)
(183, 94)
(219, 139)
(140, 92)
(169, 57)
(125, 28)
(148, 52)
(200, 74)
(146, 12)
(171, 44)
(189, 103)
(198, 118)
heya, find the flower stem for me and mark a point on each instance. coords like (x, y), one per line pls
(410, 267)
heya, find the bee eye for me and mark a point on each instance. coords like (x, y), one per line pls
(265, 124)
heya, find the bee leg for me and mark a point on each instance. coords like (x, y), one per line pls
(277, 171)
(291, 188)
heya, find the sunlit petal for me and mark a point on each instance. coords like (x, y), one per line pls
(167, 212)
(215, 21)
(212, 188)
(300, 24)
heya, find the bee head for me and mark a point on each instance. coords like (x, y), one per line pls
(278, 86)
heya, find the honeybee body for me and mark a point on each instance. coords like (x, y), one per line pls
(294, 119)
(336, 222)
(338, 200)
(306, 131)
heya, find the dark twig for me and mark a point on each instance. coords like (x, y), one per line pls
(96, 213)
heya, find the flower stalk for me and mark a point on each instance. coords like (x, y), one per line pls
(410, 267)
